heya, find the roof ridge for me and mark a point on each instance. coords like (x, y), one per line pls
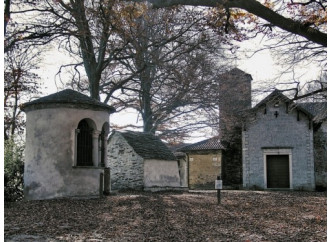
(147, 145)
(204, 145)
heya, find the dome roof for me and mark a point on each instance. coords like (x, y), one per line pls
(67, 98)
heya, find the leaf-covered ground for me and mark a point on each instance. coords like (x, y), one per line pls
(242, 216)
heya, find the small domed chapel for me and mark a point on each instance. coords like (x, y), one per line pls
(66, 136)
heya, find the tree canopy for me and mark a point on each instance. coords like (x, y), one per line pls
(161, 62)
(310, 25)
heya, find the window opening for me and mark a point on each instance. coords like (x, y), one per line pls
(84, 144)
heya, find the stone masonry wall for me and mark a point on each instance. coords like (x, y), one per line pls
(320, 157)
(235, 97)
(126, 167)
(269, 131)
(204, 167)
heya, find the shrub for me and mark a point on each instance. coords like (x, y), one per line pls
(13, 170)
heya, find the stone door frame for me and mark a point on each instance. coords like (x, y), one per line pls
(277, 151)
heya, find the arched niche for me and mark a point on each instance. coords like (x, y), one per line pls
(85, 130)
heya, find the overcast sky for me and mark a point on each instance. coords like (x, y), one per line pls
(261, 66)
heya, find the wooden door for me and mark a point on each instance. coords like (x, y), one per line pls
(278, 173)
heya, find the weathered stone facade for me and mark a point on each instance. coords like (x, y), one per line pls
(141, 161)
(235, 98)
(320, 156)
(126, 166)
(204, 167)
(204, 163)
(276, 128)
(319, 112)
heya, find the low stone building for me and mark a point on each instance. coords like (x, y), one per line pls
(141, 161)
(204, 163)
(65, 145)
(278, 145)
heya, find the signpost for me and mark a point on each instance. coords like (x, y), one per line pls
(218, 187)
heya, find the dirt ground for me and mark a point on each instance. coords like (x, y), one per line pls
(172, 216)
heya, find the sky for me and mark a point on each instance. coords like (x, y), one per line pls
(260, 66)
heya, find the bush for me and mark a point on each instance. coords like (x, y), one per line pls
(13, 171)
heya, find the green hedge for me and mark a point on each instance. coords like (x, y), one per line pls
(13, 170)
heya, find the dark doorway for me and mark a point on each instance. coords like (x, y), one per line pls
(84, 144)
(278, 172)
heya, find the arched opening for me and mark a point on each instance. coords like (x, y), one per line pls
(84, 144)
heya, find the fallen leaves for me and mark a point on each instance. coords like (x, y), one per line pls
(172, 216)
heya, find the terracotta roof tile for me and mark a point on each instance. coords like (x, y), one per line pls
(209, 144)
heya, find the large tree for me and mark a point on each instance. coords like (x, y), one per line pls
(86, 29)
(175, 56)
(174, 62)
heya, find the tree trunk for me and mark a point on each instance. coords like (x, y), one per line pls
(147, 113)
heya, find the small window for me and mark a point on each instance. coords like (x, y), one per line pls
(216, 161)
(84, 144)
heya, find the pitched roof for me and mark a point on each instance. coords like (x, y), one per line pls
(317, 109)
(147, 145)
(276, 94)
(208, 144)
(67, 97)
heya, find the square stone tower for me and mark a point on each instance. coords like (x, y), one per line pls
(234, 98)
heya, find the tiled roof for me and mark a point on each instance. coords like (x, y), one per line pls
(317, 109)
(209, 144)
(148, 146)
(67, 96)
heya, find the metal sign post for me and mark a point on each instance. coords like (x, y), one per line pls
(218, 187)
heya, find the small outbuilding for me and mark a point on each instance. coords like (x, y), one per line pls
(141, 161)
(65, 150)
(204, 163)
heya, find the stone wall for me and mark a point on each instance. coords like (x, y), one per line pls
(235, 97)
(320, 156)
(126, 167)
(204, 167)
(266, 131)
